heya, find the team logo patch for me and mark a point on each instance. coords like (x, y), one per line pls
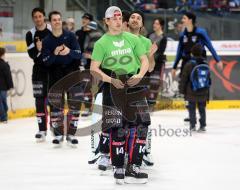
(194, 38)
(119, 44)
(185, 39)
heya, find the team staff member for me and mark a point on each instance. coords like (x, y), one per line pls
(191, 36)
(40, 73)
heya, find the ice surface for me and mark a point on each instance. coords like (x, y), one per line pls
(193, 162)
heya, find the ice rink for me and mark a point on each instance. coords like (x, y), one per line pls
(182, 162)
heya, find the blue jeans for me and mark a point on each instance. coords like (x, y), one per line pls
(3, 106)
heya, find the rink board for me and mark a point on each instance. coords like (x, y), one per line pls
(225, 94)
(174, 105)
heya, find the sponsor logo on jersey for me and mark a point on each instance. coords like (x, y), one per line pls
(119, 44)
(121, 52)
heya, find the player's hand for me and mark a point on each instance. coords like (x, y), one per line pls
(174, 73)
(134, 80)
(220, 65)
(117, 83)
(39, 45)
(65, 51)
(58, 50)
(153, 49)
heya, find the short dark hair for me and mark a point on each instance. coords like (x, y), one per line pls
(197, 50)
(161, 22)
(37, 9)
(191, 16)
(2, 51)
(53, 13)
(140, 13)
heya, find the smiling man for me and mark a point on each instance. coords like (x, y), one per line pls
(40, 81)
(61, 53)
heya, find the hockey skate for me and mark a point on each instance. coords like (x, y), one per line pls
(41, 136)
(57, 141)
(119, 175)
(134, 176)
(72, 141)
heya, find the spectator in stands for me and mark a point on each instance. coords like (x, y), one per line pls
(81, 34)
(70, 24)
(219, 5)
(199, 5)
(183, 6)
(6, 84)
(64, 25)
(234, 3)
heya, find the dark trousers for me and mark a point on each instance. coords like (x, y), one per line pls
(3, 105)
(192, 113)
(123, 110)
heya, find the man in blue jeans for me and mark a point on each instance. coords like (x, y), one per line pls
(6, 84)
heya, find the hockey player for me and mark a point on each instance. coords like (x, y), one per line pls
(121, 61)
(136, 23)
(40, 73)
(61, 53)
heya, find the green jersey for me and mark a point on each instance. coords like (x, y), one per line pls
(119, 53)
(146, 43)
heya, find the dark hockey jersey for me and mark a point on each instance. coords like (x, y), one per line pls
(32, 37)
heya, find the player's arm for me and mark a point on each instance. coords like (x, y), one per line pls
(135, 79)
(178, 56)
(75, 51)
(151, 58)
(210, 47)
(48, 56)
(31, 48)
(144, 66)
(179, 53)
(97, 72)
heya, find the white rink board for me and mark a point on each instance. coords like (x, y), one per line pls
(21, 62)
(21, 67)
